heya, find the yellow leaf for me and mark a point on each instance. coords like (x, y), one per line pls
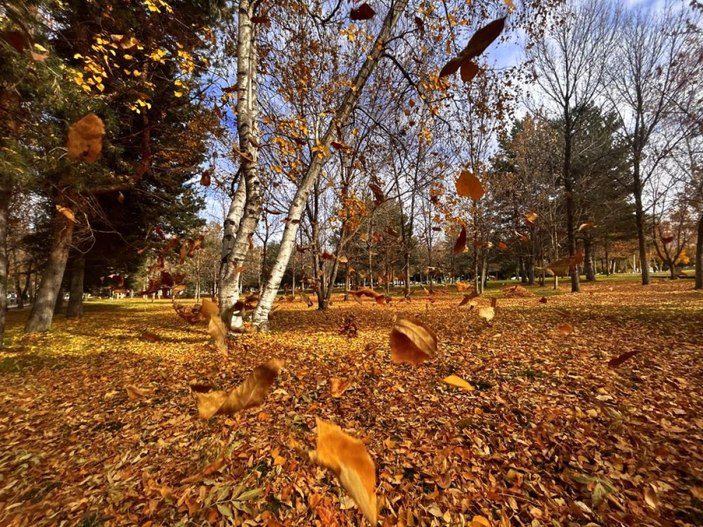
(338, 386)
(209, 308)
(412, 342)
(453, 380)
(348, 458)
(218, 332)
(247, 395)
(531, 217)
(469, 186)
(178, 93)
(134, 392)
(487, 313)
(66, 212)
(651, 498)
(480, 521)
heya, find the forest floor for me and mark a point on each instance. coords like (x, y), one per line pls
(550, 435)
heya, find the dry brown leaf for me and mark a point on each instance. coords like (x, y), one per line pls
(363, 12)
(338, 386)
(468, 71)
(348, 458)
(247, 395)
(617, 361)
(531, 217)
(68, 213)
(585, 226)
(85, 138)
(217, 330)
(469, 186)
(651, 498)
(477, 45)
(209, 308)
(502, 246)
(134, 392)
(460, 245)
(480, 521)
(412, 342)
(458, 382)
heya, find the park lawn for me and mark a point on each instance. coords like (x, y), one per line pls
(550, 434)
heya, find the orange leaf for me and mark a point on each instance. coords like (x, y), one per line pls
(469, 186)
(458, 382)
(477, 45)
(412, 342)
(209, 308)
(348, 458)
(134, 393)
(338, 386)
(217, 330)
(460, 245)
(209, 470)
(531, 217)
(585, 226)
(566, 328)
(247, 395)
(66, 212)
(205, 178)
(502, 246)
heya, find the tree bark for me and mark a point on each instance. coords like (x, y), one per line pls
(297, 206)
(569, 197)
(43, 307)
(75, 298)
(640, 223)
(588, 259)
(5, 195)
(699, 254)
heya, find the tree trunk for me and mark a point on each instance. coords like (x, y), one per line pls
(43, 307)
(639, 222)
(75, 299)
(569, 196)
(5, 194)
(296, 208)
(406, 291)
(229, 289)
(588, 259)
(699, 254)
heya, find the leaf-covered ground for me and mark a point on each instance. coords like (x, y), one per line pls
(550, 436)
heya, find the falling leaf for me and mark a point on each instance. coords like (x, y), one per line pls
(460, 244)
(468, 71)
(543, 300)
(249, 394)
(651, 498)
(378, 196)
(531, 217)
(477, 45)
(467, 298)
(469, 186)
(502, 246)
(617, 361)
(205, 178)
(338, 386)
(363, 12)
(348, 458)
(585, 227)
(217, 330)
(134, 393)
(85, 138)
(487, 313)
(412, 342)
(68, 213)
(566, 328)
(343, 259)
(666, 240)
(209, 308)
(458, 382)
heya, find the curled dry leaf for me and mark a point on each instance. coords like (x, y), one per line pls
(469, 186)
(247, 395)
(338, 386)
(458, 382)
(85, 138)
(134, 392)
(412, 342)
(651, 498)
(68, 213)
(460, 244)
(348, 458)
(217, 330)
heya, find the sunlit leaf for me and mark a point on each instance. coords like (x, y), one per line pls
(339, 386)
(348, 458)
(412, 342)
(458, 382)
(469, 186)
(249, 394)
(134, 392)
(531, 217)
(68, 213)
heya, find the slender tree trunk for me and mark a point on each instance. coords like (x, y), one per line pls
(640, 223)
(43, 307)
(5, 195)
(569, 198)
(75, 299)
(588, 259)
(18, 288)
(406, 291)
(296, 208)
(699, 254)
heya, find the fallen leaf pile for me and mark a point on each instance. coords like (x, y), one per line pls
(507, 423)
